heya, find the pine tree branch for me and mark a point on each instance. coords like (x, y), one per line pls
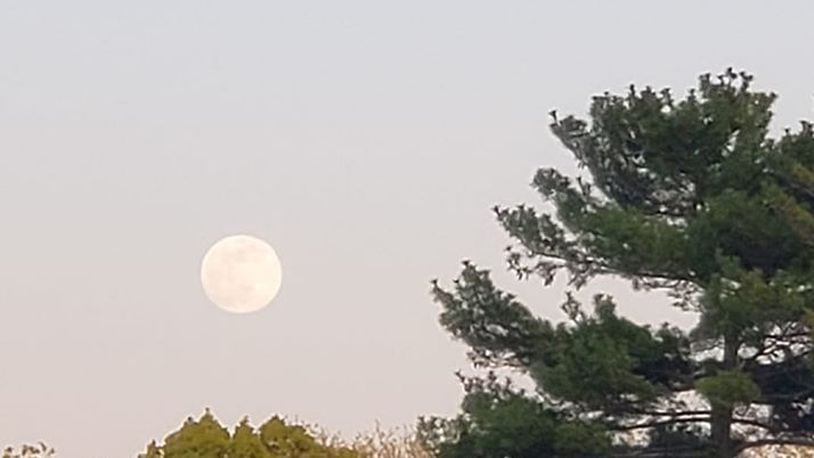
(653, 424)
(746, 421)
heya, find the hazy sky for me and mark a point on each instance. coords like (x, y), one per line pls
(365, 140)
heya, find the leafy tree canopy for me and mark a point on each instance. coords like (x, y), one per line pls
(690, 196)
(207, 438)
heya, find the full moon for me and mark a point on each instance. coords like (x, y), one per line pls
(241, 274)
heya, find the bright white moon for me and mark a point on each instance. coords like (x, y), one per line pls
(241, 273)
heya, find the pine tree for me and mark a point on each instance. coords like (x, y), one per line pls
(689, 196)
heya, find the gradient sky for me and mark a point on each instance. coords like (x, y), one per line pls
(365, 140)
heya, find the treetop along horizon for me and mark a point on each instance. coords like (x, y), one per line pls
(690, 196)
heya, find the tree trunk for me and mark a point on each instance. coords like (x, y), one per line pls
(721, 415)
(721, 422)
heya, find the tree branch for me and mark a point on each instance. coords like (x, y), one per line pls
(654, 424)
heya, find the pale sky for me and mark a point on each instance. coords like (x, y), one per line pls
(365, 140)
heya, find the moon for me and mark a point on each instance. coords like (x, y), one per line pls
(241, 273)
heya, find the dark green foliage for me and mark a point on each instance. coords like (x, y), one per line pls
(688, 196)
(509, 423)
(728, 388)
